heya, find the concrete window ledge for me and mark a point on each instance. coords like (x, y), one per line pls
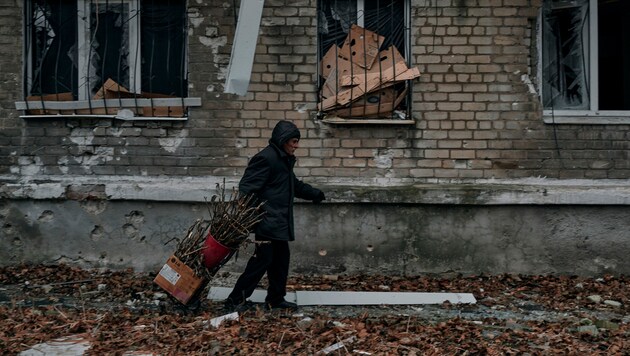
(528, 191)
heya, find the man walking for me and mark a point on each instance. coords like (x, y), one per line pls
(269, 176)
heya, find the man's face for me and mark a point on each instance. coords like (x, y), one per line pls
(291, 145)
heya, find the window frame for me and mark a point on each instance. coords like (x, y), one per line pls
(360, 11)
(84, 13)
(69, 108)
(593, 115)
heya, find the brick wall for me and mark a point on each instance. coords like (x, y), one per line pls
(477, 118)
(10, 83)
(474, 114)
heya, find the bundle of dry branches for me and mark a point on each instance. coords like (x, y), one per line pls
(231, 220)
(190, 247)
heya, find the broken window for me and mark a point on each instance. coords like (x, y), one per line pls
(586, 55)
(363, 71)
(91, 50)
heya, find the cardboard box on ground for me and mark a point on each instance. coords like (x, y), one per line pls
(110, 90)
(179, 280)
(360, 80)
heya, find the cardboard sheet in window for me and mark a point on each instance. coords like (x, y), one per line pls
(361, 46)
(357, 89)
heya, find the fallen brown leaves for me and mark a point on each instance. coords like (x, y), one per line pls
(40, 303)
(550, 292)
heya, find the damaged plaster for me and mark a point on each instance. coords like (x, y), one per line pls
(85, 192)
(529, 225)
(82, 137)
(304, 108)
(28, 166)
(170, 144)
(383, 158)
(340, 190)
(134, 222)
(211, 37)
(87, 154)
(46, 216)
(97, 233)
(528, 81)
(195, 18)
(62, 163)
(94, 207)
(100, 156)
(213, 42)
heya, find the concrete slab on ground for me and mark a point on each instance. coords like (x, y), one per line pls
(304, 298)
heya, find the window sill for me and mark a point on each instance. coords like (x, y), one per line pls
(342, 121)
(116, 117)
(121, 109)
(593, 119)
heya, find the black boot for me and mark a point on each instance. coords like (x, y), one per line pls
(283, 305)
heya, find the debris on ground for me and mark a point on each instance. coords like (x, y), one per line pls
(123, 312)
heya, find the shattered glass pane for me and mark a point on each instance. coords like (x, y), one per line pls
(335, 19)
(382, 16)
(163, 33)
(109, 45)
(385, 18)
(566, 54)
(52, 49)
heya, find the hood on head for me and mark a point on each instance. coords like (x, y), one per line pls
(283, 132)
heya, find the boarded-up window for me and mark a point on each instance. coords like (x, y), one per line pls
(363, 69)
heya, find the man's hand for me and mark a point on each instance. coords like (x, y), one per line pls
(319, 198)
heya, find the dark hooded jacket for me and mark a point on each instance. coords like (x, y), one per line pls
(269, 175)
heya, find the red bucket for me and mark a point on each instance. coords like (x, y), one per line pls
(213, 252)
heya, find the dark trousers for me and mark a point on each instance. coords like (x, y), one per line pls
(270, 257)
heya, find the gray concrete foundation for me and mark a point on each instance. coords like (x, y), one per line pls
(373, 238)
